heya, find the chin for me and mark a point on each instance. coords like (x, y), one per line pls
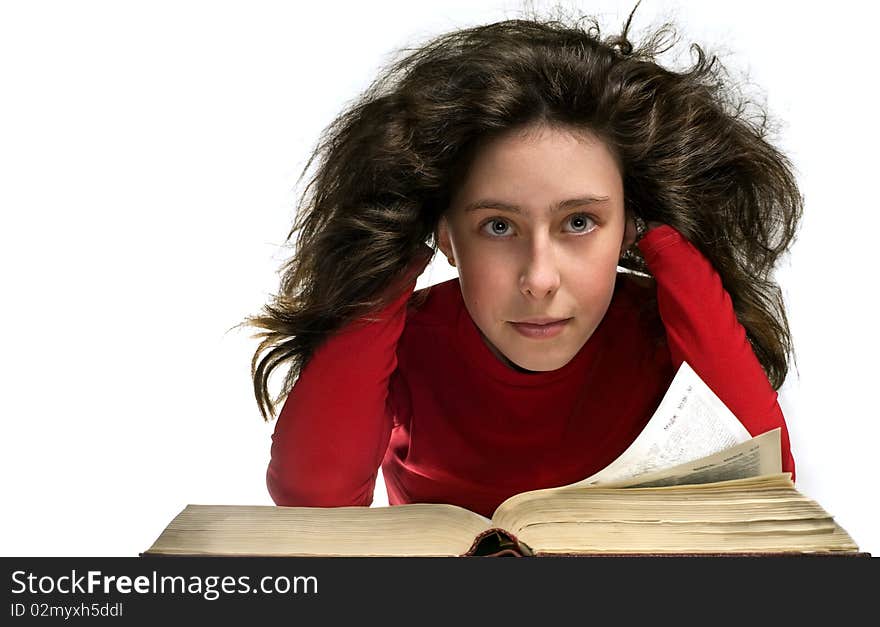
(542, 364)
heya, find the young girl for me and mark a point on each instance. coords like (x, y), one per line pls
(538, 158)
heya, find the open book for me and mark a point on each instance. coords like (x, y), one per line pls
(693, 482)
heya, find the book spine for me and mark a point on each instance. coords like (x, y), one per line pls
(496, 542)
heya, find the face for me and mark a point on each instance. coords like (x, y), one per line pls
(536, 230)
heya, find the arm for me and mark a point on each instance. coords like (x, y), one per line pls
(702, 329)
(334, 428)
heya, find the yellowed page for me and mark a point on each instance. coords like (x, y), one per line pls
(754, 514)
(421, 529)
(806, 537)
(753, 459)
(568, 504)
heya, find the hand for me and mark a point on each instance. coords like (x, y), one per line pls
(630, 232)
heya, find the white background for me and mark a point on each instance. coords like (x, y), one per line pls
(148, 161)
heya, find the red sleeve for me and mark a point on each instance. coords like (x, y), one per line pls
(702, 329)
(334, 427)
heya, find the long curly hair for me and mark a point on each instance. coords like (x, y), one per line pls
(690, 156)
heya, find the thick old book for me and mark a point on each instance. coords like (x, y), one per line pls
(692, 483)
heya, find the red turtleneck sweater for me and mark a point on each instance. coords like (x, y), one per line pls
(419, 392)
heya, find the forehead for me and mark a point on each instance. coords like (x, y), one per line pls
(540, 167)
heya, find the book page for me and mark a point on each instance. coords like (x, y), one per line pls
(691, 422)
(760, 514)
(761, 455)
(415, 529)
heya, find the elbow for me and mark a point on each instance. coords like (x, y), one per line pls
(301, 490)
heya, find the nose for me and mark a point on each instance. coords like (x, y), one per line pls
(540, 275)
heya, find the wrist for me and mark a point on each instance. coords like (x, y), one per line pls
(643, 227)
(657, 239)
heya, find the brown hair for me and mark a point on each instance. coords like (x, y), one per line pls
(387, 165)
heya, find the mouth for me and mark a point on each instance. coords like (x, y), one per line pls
(541, 328)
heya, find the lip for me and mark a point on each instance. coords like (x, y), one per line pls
(545, 328)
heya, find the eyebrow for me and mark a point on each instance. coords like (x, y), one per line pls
(489, 203)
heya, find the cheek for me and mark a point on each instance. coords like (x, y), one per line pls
(486, 280)
(592, 290)
(483, 285)
(592, 284)
(478, 260)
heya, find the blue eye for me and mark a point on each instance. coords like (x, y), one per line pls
(580, 221)
(497, 226)
(501, 228)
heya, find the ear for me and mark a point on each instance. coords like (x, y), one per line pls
(443, 241)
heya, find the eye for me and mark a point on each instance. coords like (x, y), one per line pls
(496, 227)
(580, 222)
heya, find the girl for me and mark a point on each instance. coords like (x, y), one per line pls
(608, 218)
